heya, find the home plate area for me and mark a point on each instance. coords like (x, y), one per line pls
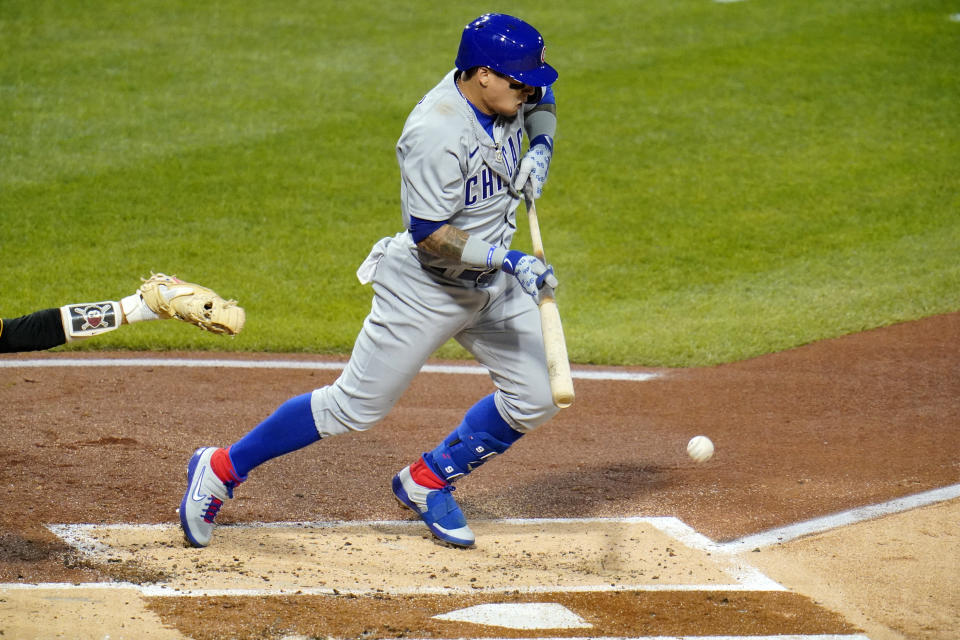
(589, 578)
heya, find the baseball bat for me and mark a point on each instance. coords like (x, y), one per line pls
(558, 363)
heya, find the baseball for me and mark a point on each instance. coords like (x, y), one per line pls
(700, 448)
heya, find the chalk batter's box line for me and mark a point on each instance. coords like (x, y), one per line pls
(669, 525)
(744, 578)
(81, 538)
(583, 374)
(838, 520)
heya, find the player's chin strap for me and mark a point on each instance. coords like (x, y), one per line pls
(482, 434)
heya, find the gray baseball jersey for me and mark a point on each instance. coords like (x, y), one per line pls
(451, 170)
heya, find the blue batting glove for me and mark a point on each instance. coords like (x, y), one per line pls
(530, 272)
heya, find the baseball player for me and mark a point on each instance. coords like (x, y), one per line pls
(160, 297)
(449, 273)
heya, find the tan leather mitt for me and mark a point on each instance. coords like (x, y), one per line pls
(170, 297)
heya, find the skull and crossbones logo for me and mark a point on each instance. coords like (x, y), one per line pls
(94, 315)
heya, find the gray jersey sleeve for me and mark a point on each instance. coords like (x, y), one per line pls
(432, 179)
(541, 119)
(541, 122)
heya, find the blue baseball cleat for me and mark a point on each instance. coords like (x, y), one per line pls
(436, 507)
(203, 499)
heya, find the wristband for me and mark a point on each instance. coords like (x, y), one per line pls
(477, 253)
(510, 261)
(542, 139)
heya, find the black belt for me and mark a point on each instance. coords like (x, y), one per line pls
(479, 277)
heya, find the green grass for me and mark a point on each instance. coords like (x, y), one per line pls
(730, 179)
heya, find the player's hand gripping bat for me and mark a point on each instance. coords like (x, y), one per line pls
(558, 364)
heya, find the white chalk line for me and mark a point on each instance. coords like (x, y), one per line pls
(592, 374)
(827, 636)
(840, 519)
(159, 590)
(80, 537)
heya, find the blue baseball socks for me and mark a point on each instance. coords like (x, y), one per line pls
(289, 428)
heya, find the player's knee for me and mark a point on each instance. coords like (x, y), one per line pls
(336, 413)
(529, 412)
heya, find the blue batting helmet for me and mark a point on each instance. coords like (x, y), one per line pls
(507, 45)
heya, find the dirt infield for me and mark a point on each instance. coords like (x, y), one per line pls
(803, 434)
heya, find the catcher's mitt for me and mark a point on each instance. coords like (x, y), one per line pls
(170, 297)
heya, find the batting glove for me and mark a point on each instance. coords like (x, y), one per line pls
(530, 272)
(534, 167)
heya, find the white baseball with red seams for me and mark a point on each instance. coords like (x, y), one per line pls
(700, 448)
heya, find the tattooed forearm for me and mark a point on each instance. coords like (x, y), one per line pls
(445, 242)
